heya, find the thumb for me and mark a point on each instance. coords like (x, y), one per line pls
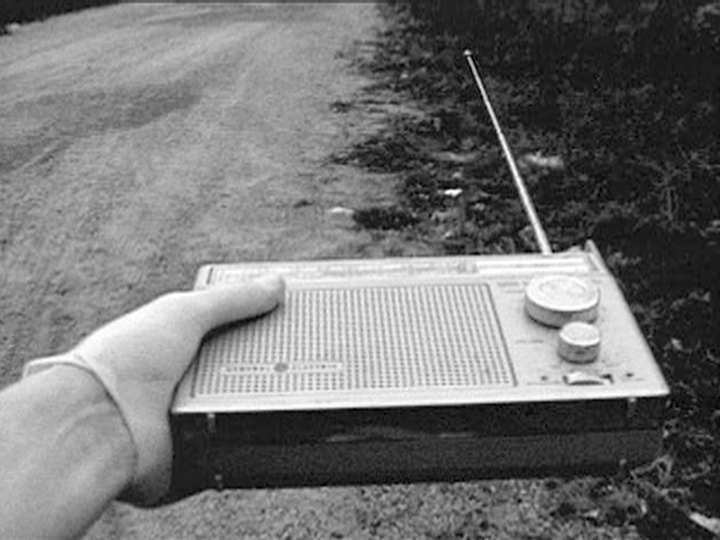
(225, 304)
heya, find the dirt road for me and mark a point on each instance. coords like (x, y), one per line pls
(140, 141)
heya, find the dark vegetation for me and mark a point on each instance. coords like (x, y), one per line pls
(22, 11)
(625, 93)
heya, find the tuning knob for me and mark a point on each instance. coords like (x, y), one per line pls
(559, 299)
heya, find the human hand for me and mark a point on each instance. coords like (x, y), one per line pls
(141, 357)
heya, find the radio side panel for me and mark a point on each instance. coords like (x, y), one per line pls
(435, 444)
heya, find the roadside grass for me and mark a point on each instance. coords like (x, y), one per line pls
(637, 172)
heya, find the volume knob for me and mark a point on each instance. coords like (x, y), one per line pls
(579, 342)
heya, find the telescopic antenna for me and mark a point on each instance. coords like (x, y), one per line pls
(540, 236)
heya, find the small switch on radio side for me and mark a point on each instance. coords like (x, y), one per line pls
(581, 378)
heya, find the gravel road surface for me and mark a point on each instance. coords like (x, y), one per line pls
(140, 141)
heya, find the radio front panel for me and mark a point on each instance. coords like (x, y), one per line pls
(409, 332)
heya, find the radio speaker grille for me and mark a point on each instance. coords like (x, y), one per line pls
(391, 338)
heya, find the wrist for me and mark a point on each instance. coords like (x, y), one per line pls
(74, 402)
(146, 425)
(91, 395)
(66, 452)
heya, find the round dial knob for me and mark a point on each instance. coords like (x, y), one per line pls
(579, 342)
(558, 299)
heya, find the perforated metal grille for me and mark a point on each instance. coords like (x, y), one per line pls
(357, 339)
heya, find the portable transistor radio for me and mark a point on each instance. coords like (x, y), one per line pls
(413, 369)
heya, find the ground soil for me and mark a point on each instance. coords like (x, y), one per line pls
(141, 141)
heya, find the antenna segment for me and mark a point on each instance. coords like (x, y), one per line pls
(540, 236)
